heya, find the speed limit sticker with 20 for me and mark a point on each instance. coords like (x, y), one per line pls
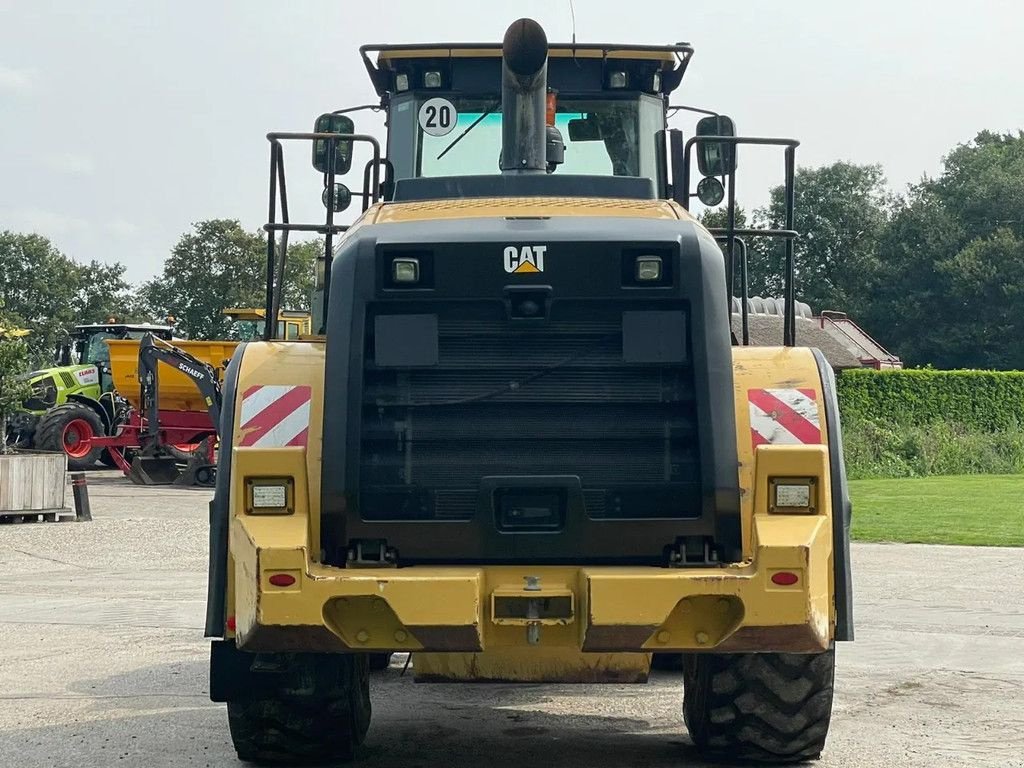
(437, 116)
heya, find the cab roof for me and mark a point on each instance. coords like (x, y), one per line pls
(122, 326)
(393, 59)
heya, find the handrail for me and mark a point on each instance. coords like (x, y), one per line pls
(731, 232)
(276, 263)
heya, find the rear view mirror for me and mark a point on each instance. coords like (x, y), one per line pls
(710, 191)
(342, 197)
(64, 353)
(715, 158)
(584, 129)
(339, 124)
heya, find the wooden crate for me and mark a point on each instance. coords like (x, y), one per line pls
(33, 482)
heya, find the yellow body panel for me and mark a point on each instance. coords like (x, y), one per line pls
(523, 207)
(767, 368)
(177, 391)
(606, 610)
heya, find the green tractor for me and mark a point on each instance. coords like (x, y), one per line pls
(73, 401)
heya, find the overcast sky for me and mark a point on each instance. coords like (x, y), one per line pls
(123, 121)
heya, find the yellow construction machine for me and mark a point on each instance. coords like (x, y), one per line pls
(249, 323)
(526, 445)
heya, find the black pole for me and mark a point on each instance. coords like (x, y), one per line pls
(329, 234)
(730, 235)
(271, 219)
(80, 493)
(282, 257)
(789, 335)
(149, 387)
(744, 291)
(682, 196)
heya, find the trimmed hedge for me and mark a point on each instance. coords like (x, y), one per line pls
(987, 401)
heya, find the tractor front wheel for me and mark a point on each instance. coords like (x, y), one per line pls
(758, 707)
(71, 428)
(317, 711)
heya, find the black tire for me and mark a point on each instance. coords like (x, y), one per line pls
(758, 707)
(667, 662)
(50, 435)
(180, 456)
(319, 711)
(379, 661)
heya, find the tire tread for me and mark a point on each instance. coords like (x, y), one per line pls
(49, 434)
(760, 708)
(321, 712)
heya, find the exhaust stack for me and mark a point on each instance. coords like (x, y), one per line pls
(524, 81)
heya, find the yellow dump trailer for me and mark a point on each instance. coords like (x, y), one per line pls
(177, 391)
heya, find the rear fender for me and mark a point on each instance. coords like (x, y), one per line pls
(94, 405)
(220, 511)
(795, 379)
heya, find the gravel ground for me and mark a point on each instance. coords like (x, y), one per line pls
(103, 663)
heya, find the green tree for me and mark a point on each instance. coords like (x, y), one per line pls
(300, 272)
(48, 292)
(948, 291)
(215, 266)
(987, 302)
(103, 292)
(13, 363)
(219, 265)
(39, 287)
(842, 210)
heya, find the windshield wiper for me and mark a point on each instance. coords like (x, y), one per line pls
(475, 123)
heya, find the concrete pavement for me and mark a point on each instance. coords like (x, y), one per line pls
(102, 663)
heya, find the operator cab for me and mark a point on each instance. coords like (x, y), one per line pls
(606, 105)
(249, 323)
(88, 344)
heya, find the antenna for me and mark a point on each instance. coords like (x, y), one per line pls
(572, 12)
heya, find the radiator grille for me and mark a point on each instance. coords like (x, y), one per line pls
(513, 399)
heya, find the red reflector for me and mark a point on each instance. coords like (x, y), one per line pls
(282, 579)
(231, 623)
(785, 578)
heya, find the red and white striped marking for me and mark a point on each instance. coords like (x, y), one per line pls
(784, 417)
(273, 416)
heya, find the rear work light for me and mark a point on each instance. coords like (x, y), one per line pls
(618, 79)
(648, 269)
(405, 271)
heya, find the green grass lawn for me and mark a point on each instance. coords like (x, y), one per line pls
(964, 509)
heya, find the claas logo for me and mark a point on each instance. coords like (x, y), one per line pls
(526, 258)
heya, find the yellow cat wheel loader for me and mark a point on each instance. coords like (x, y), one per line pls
(526, 445)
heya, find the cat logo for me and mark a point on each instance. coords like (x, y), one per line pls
(529, 258)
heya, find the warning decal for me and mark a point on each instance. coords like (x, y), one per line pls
(784, 417)
(273, 416)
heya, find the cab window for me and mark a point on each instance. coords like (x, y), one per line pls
(98, 351)
(602, 136)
